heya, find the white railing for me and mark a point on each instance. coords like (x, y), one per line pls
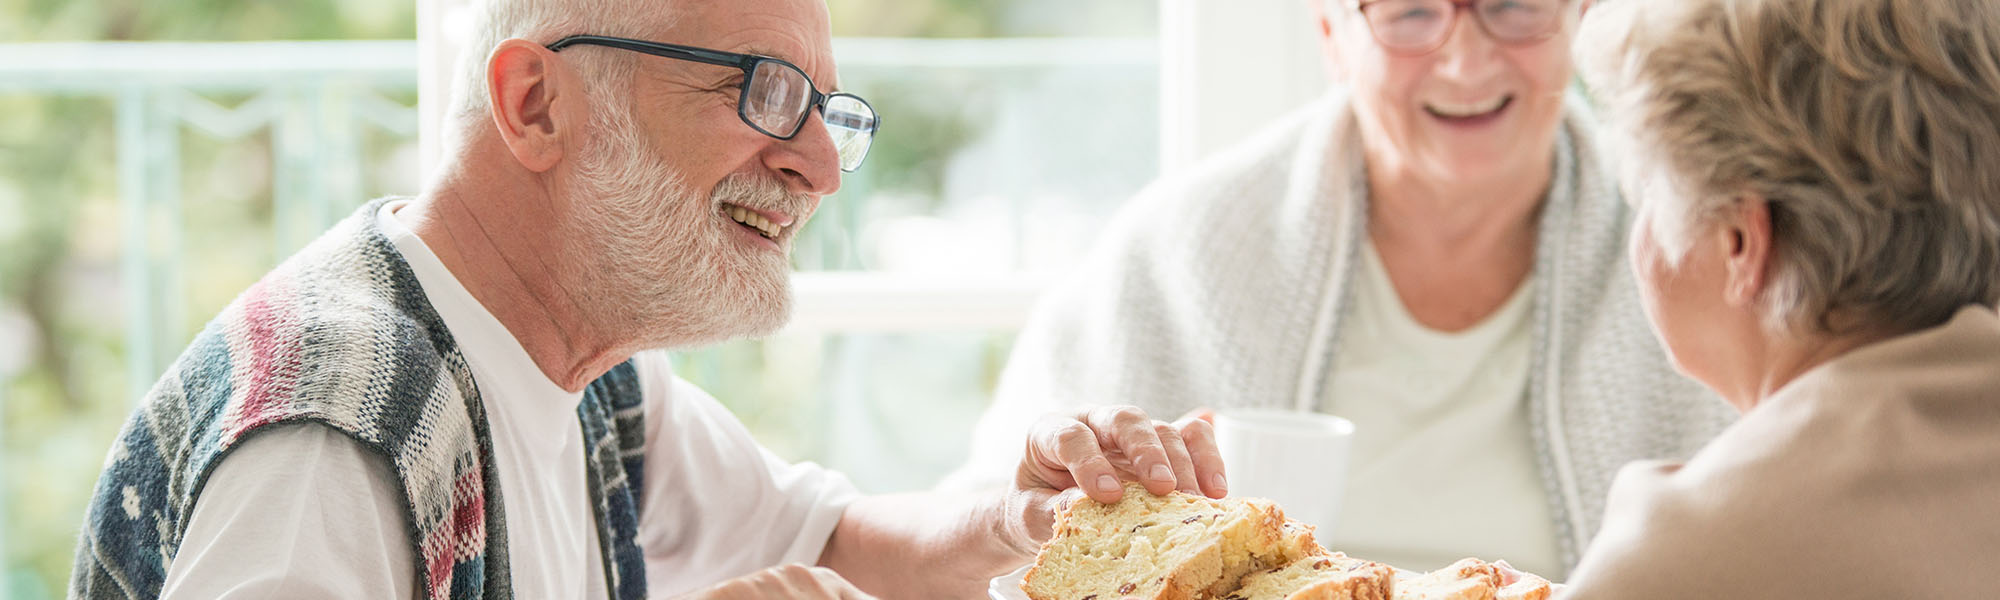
(315, 97)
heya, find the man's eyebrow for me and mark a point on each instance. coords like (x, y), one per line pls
(765, 52)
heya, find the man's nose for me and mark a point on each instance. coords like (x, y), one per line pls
(808, 163)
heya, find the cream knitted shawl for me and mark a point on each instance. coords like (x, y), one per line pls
(1225, 286)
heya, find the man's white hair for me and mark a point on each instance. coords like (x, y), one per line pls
(608, 73)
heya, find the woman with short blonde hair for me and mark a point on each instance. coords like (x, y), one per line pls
(1819, 242)
(1862, 125)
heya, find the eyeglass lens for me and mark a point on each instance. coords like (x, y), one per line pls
(776, 98)
(852, 124)
(1424, 24)
(776, 102)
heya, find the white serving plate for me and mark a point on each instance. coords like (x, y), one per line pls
(1008, 587)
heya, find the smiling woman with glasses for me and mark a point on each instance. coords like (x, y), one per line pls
(777, 96)
(1430, 251)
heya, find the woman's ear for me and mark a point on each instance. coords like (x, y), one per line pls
(1318, 10)
(1327, 24)
(1746, 227)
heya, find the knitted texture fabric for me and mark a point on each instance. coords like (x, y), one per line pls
(342, 335)
(1225, 285)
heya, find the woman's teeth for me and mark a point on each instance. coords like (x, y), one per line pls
(755, 221)
(1447, 109)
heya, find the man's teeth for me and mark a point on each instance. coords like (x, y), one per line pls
(1466, 110)
(744, 216)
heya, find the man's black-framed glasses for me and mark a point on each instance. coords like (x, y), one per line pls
(1414, 27)
(777, 97)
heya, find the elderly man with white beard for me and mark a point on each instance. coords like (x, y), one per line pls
(447, 396)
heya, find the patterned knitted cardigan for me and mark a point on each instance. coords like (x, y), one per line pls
(342, 335)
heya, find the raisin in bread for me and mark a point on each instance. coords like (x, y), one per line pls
(1332, 576)
(1173, 547)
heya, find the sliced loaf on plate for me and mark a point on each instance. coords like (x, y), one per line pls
(1173, 547)
(1324, 577)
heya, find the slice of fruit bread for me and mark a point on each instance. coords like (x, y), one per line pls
(1470, 579)
(1333, 576)
(1467, 579)
(1173, 547)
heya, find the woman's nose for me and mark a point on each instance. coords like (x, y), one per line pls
(1469, 53)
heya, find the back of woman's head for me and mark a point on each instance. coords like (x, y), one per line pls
(1872, 128)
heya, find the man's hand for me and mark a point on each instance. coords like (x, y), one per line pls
(924, 546)
(1096, 450)
(797, 582)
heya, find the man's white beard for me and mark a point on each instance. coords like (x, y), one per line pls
(652, 261)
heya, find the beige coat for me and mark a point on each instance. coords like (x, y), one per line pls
(1875, 475)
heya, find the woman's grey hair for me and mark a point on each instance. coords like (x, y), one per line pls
(608, 72)
(1870, 127)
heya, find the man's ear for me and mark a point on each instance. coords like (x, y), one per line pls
(523, 82)
(1747, 231)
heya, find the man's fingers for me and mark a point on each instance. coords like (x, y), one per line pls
(1077, 452)
(1130, 431)
(1095, 449)
(1177, 455)
(1061, 501)
(1199, 436)
(1039, 465)
(1202, 414)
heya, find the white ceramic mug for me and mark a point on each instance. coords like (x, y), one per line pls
(1297, 459)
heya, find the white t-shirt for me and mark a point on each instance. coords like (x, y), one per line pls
(303, 511)
(1437, 414)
